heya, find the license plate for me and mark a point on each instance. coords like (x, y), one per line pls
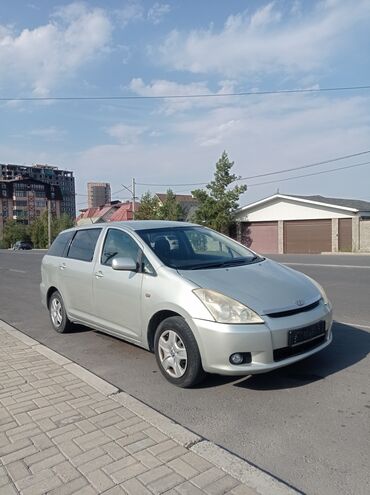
(307, 333)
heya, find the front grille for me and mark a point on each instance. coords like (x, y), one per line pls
(281, 314)
(287, 352)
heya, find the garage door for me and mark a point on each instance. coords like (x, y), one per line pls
(345, 234)
(261, 236)
(307, 236)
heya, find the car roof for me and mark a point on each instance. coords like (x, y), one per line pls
(137, 225)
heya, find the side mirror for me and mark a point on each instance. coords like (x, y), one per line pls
(124, 264)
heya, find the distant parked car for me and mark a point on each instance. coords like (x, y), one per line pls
(201, 301)
(22, 245)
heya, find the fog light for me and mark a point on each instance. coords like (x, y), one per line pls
(236, 358)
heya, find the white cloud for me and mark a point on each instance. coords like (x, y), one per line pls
(39, 58)
(260, 135)
(157, 12)
(164, 87)
(126, 134)
(266, 41)
(134, 11)
(130, 12)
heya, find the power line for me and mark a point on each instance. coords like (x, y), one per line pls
(331, 160)
(345, 157)
(168, 97)
(309, 175)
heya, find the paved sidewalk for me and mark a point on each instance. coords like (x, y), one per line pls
(66, 431)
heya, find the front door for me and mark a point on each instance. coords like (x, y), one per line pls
(117, 294)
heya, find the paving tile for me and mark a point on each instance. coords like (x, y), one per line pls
(154, 474)
(196, 461)
(147, 459)
(221, 486)
(120, 464)
(17, 470)
(85, 457)
(242, 490)
(66, 471)
(134, 487)
(167, 482)
(94, 464)
(114, 450)
(139, 445)
(183, 468)
(162, 447)
(71, 487)
(47, 463)
(70, 449)
(170, 454)
(100, 480)
(129, 472)
(188, 488)
(207, 477)
(19, 454)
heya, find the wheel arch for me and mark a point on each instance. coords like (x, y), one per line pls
(49, 293)
(155, 321)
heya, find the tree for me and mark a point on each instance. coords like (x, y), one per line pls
(62, 223)
(149, 208)
(39, 231)
(171, 209)
(218, 202)
(39, 228)
(15, 231)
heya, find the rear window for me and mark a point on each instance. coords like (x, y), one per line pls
(83, 244)
(59, 246)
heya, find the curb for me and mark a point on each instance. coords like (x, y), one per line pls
(338, 253)
(252, 476)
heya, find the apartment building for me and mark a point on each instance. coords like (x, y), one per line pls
(24, 200)
(98, 194)
(46, 174)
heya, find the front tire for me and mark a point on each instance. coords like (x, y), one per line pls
(177, 353)
(58, 314)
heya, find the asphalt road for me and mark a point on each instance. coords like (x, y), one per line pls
(308, 424)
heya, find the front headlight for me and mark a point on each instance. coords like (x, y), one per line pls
(226, 310)
(321, 290)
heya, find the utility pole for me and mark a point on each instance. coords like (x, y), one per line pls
(49, 223)
(133, 198)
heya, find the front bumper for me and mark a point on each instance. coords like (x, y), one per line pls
(218, 341)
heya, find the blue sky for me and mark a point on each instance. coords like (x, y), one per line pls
(154, 48)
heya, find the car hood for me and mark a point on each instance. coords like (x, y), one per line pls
(266, 287)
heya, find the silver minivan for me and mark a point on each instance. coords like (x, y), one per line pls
(201, 301)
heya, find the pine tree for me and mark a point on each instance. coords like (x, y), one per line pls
(218, 202)
(149, 208)
(171, 209)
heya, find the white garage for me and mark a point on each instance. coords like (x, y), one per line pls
(304, 224)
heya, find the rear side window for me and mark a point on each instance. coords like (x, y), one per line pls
(83, 244)
(60, 244)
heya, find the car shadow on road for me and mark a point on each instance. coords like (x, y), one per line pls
(350, 345)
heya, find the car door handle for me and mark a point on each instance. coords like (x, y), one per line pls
(63, 266)
(99, 274)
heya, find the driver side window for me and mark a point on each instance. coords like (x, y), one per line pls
(118, 244)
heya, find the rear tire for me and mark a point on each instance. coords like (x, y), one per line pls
(58, 314)
(177, 353)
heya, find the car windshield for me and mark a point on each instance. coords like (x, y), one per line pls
(194, 248)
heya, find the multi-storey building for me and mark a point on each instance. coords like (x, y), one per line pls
(24, 200)
(47, 174)
(98, 194)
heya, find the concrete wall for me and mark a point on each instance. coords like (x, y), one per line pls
(335, 235)
(364, 227)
